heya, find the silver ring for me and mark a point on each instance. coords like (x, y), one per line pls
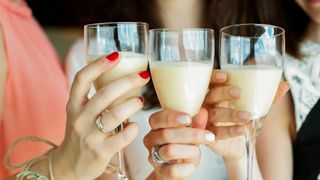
(156, 156)
(100, 125)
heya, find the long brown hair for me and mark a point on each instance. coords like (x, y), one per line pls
(217, 14)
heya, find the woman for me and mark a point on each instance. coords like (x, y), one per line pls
(33, 87)
(301, 21)
(210, 166)
(33, 98)
(85, 151)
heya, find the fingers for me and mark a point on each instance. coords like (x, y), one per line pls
(178, 135)
(218, 77)
(177, 171)
(169, 119)
(120, 113)
(105, 96)
(87, 75)
(219, 114)
(223, 93)
(282, 90)
(123, 138)
(200, 120)
(171, 152)
(226, 132)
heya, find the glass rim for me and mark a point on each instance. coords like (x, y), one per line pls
(180, 29)
(281, 33)
(113, 24)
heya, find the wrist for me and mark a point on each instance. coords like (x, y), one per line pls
(237, 168)
(62, 168)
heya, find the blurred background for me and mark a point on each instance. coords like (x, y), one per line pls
(63, 20)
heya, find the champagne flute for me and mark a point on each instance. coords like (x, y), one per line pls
(253, 56)
(181, 63)
(130, 40)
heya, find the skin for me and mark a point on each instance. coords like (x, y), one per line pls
(91, 150)
(313, 11)
(176, 13)
(233, 150)
(234, 164)
(228, 139)
(229, 142)
(284, 131)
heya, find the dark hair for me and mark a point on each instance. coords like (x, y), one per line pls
(295, 24)
(217, 13)
(284, 13)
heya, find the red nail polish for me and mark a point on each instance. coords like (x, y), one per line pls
(141, 99)
(144, 74)
(113, 56)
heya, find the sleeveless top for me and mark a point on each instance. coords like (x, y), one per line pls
(304, 79)
(36, 89)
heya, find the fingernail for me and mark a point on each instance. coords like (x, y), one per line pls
(141, 99)
(235, 92)
(184, 119)
(221, 76)
(244, 115)
(113, 56)
(210, 137)
(144, 74)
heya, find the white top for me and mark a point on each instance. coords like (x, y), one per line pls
(211, 165)
(304, 79)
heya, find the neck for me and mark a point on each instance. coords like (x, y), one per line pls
(313, 32)
(181, 13)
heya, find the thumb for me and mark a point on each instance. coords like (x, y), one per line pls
(200, 120)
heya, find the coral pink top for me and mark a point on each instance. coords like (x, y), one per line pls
(36, 89)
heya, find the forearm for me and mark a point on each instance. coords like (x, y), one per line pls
(237, 169)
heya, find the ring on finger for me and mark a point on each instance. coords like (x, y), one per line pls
(101, 127)
(156, 156)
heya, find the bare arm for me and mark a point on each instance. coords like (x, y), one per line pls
(3, 72)
(274, 148)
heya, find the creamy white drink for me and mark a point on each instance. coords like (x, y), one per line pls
(258, 84)
(129, 63)
(182, 85)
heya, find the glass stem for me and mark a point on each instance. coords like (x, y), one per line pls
(250, 137)
(121, 170)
